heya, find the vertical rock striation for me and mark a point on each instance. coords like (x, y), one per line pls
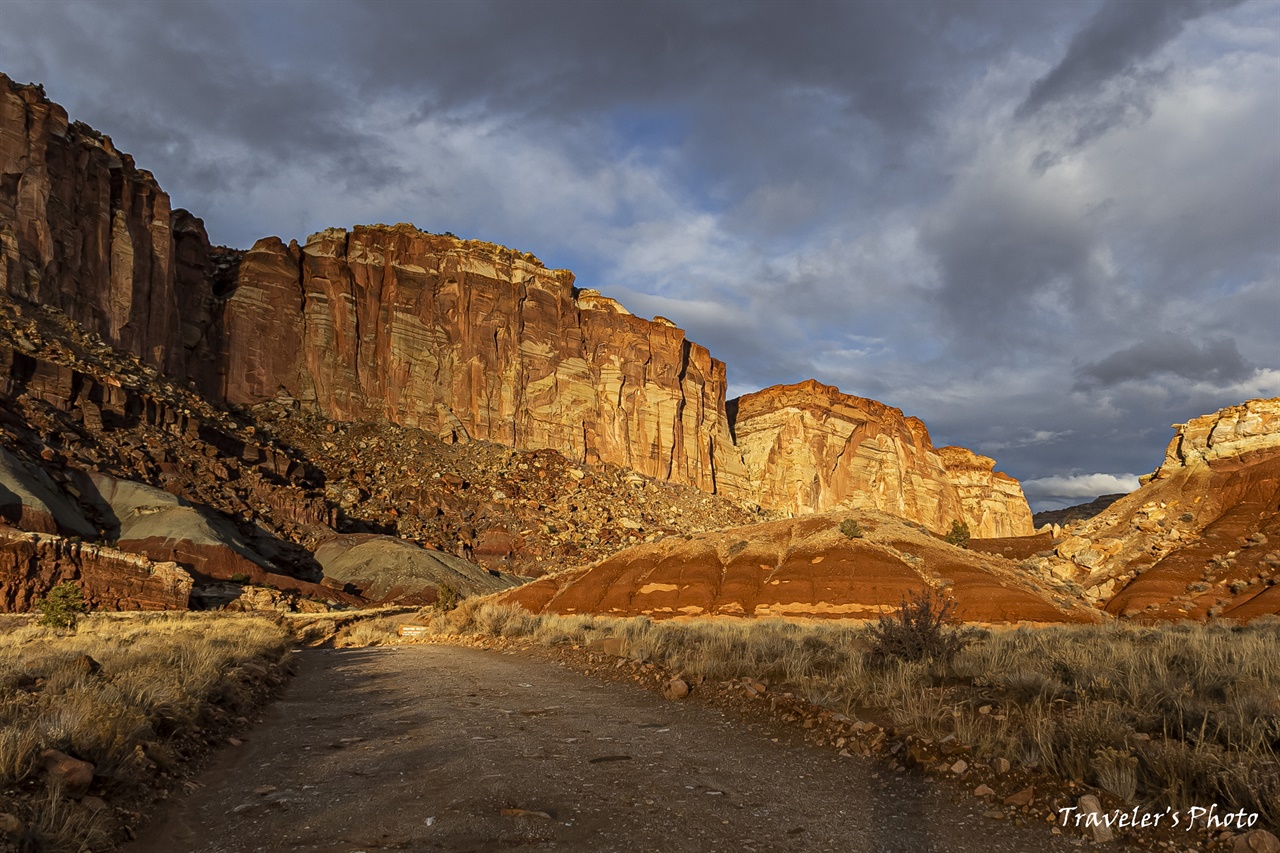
(84, 230)
(429, 331)
(463, 337)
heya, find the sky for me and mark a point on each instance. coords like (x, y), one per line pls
(1048, 229)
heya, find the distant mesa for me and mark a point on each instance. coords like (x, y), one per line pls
(1078, 512)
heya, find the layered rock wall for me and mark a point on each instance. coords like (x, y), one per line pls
(83, 229)
(31, 564)
(462, 337)
(434, 332)
(809, 448)
(1228, 436)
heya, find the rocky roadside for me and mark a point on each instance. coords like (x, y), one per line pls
(1020, 795)
(111, 808)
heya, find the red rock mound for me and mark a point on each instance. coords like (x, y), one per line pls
(797, 567)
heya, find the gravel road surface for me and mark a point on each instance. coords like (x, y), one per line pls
(459, 749)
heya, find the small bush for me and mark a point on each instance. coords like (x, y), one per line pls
(62, 607)
(851, 528)
(958, 535)
(918, 631)
(447, 598)
(240, 577)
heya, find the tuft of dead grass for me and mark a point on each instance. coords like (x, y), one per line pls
(118, 692)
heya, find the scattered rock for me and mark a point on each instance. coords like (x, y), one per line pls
(1257, 841)
(1000, 765)
(1021, 798)
(1098, 831)
(72, 775)
(983, 791)
(676, 688)
(959, 767)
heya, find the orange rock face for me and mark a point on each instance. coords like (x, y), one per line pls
(1202, 535)
(792, 568)
(435, 332)
(809, 448)
(31, 564)
(83, 229)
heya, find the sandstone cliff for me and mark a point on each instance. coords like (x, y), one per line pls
(477, 341)
(463, 338)
(83, 229)
(809, 448)
(31, 564)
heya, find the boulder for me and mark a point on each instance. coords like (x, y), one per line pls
(71, 775)
(675, 688)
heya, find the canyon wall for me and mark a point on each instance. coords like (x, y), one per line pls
(84, 230)
(809, 448)
(461, 337)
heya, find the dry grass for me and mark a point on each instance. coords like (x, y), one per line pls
(1175, 715)
(159, 678)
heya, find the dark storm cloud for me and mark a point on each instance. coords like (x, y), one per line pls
(837, 190)
(173, 86)
(1216, 361)
(766, 96)
(1120, 35)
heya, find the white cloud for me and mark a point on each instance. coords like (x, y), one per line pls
(1086, 486)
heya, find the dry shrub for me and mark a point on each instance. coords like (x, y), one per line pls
(919, 630)
(369, 632)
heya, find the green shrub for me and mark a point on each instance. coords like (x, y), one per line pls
(240, 577)
(447, 598)
(851, 528)
(62, 607)
(958, 535)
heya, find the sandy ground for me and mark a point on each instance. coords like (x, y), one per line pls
(424, 747)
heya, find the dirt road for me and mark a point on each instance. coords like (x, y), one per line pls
(424, 747)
